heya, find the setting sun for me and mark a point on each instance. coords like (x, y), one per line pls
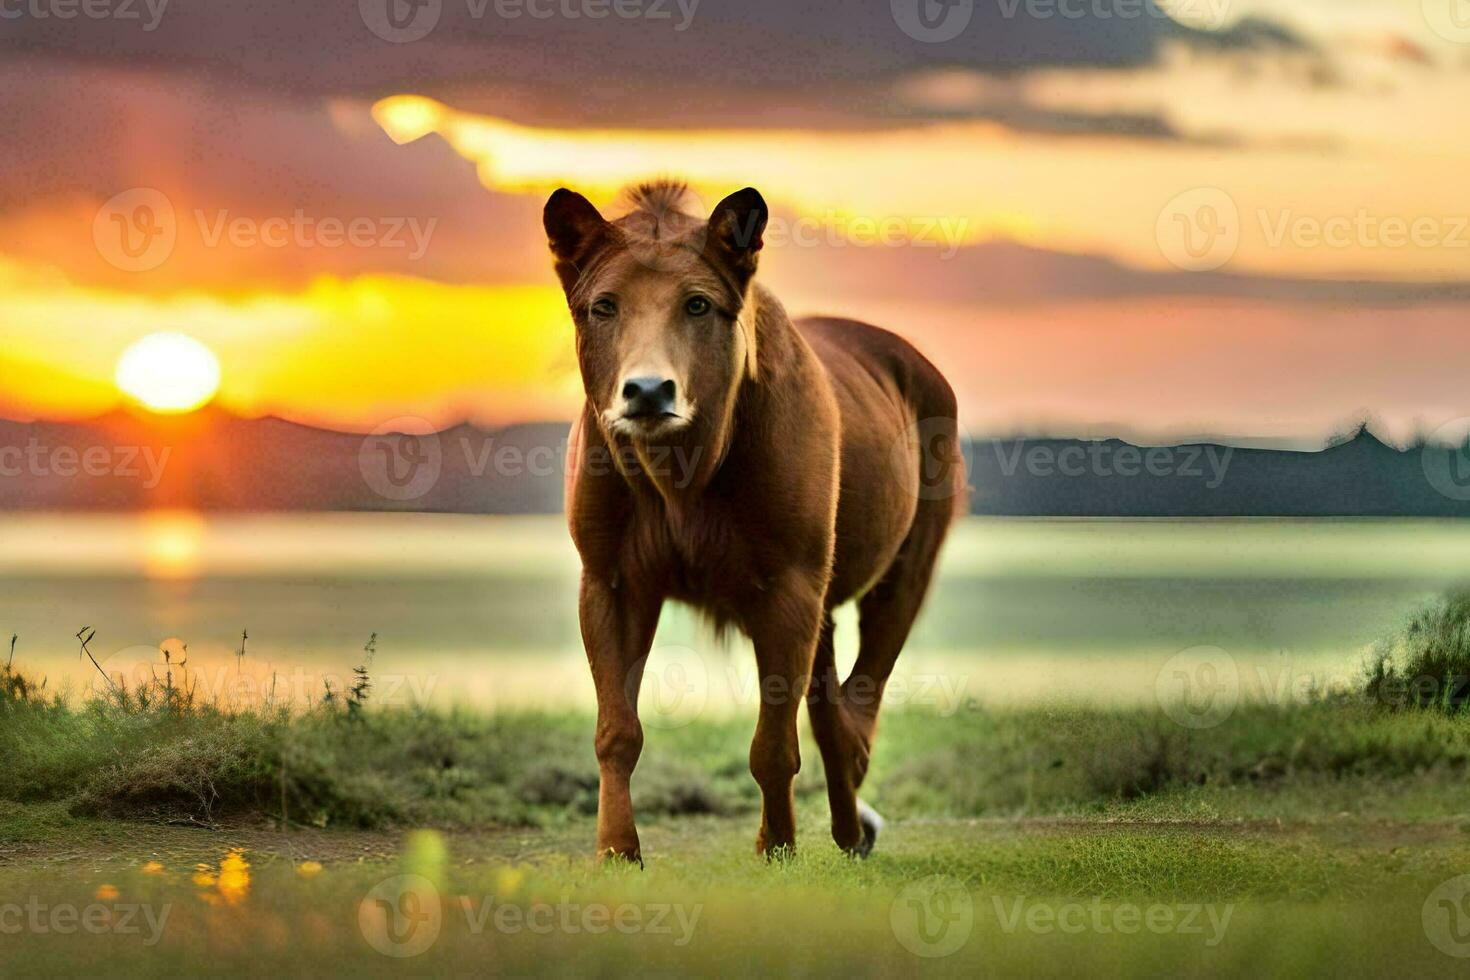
(168, 373)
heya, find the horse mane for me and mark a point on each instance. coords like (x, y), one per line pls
(658, 197)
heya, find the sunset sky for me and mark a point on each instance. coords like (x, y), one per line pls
(1243, 219)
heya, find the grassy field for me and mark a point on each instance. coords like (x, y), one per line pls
(144, 833)
(1128, 892)
(1313, 837)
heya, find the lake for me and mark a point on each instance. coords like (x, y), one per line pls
(482, 610)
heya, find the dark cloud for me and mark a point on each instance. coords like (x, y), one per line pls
(76, 136)
(1006, 273)
(327, 48)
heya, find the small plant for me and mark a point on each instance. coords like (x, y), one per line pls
(1428, 664)
(362, 684)
(84, 636)
(17, 689)
(356, 696)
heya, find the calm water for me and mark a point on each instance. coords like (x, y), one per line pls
(482, 610)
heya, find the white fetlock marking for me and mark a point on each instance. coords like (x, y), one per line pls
(870, 817)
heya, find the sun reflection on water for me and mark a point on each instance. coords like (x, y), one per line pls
(172, 544)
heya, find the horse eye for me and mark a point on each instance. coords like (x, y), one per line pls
(696, 306)
(604, 308)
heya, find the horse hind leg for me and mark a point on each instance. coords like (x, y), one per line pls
(837, 743)
(886, 615)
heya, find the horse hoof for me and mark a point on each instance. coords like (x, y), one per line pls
(872, 823)
(613, 856)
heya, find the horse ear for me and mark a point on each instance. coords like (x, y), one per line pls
(573, 229)
(735, 229)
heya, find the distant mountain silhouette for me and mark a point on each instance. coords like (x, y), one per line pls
(215, 461)
(1362, 476)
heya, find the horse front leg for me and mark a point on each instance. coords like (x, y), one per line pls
(784, 629)
(617, 631)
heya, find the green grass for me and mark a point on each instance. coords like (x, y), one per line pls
(156, 755)
(1239, 899)
(1428, 664)
(1309, 837)
(1300, 839)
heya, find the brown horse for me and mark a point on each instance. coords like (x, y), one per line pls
(817, 463)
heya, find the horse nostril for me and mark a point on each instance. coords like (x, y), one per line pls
(648, 396)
